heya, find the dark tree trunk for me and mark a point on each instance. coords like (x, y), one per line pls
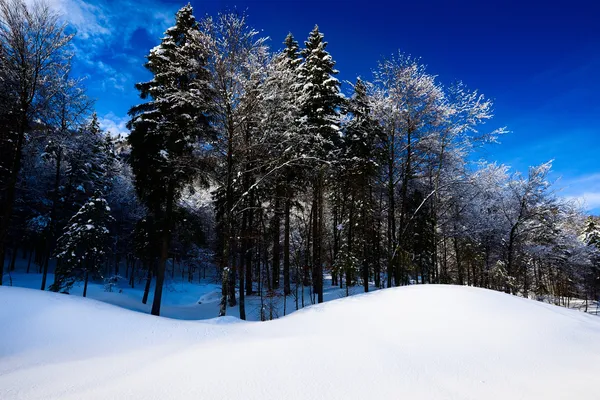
(148, 281)
(276, 246)
(164, 250)
(13, 259)
(228, 215)
(242, 256)
(336, 237)
(132, 277)
(2, 256)
(510, 258)
(350, 248)
(248, 254)
(391, 216)
(11, 188)
(459, 263)
(29, 262)
(286, 249)
(53, 217)
(317, 270)
(85, 285)
(231, 300)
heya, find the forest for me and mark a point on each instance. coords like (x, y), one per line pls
(253, 166)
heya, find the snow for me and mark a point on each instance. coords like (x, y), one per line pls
(417, 342)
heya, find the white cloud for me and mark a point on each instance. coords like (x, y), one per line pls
(102, 22)
(114, 124)
(587, 200)
(113, 79)
(585, 190)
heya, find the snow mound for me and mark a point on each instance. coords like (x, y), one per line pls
(418, 342)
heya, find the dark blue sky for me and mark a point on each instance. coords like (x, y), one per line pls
(540, 62)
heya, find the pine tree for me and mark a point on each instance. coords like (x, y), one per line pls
(83, 245)
(319, 98)
(591, 232)
(91, 164)
(356, 171)
(279, 97)
(166, 130)
(319, 103)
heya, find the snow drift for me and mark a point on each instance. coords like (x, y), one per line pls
(418, 342)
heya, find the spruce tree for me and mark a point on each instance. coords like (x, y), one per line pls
(319, 99)
(167, 129)
(91, 163)
(83, 245)
(356, 171)
(319, 103)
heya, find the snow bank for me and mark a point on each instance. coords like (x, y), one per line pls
(418, 342)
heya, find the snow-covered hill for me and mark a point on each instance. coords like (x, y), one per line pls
(418, 342)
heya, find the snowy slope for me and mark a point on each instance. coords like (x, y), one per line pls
(418, 342)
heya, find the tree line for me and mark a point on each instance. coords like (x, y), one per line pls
(256, 160)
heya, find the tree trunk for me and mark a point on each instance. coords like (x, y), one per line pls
(85, 285)
(228, 215)
(53, 212)
(132, 277)
(164, 250)
(510, 258)
(317, 270)
(276, 246)
(29, 262)
(459, 266)
(148, 281)
(242, 274)
(13, 259)
(286, 249)
(11, 188)
(349, 277)
(2, 256)
(231, 300)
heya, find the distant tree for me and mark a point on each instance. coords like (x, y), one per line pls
(64, 116)
(83, 245)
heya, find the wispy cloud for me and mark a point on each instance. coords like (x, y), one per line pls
(103, 22)
(114, 124)
(585, 190)
(104, 30)
(112, 78)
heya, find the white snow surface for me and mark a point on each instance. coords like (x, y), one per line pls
(416, 342)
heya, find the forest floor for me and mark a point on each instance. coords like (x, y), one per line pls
(185, 300)
(415, 342)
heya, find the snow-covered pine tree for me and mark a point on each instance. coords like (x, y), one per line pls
(167, 129)
(319, 99)
(294, 59)
(319, 102)
(91, 164)
(357, 169)
(83, 245)
(64, 114)
(591, 237)
(591, 232)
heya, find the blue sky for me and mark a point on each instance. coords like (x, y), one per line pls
(540, 62)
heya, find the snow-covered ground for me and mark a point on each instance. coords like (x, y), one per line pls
(185, 300)
(416, 342)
